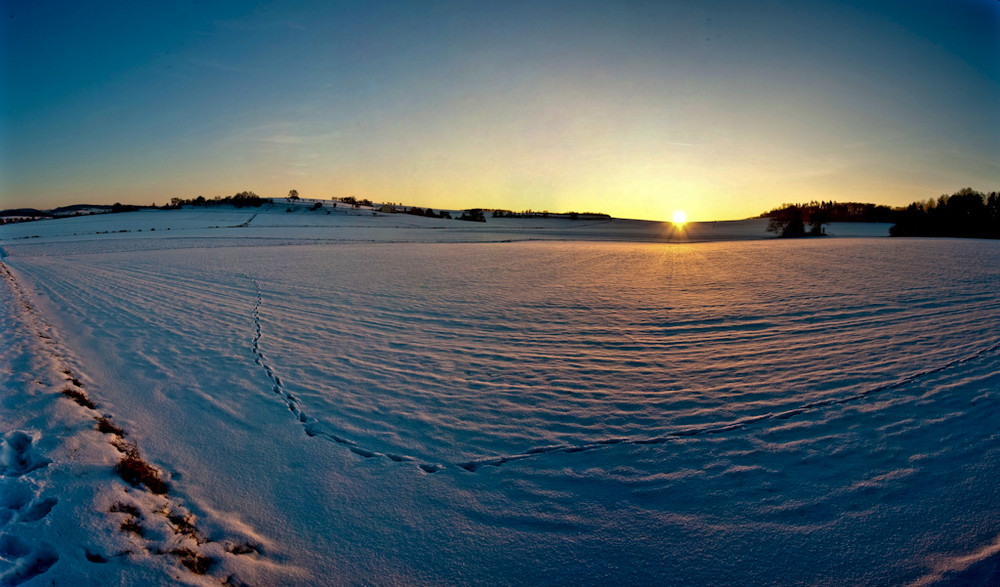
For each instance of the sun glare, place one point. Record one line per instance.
(680, 217)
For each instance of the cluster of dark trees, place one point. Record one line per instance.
(546, 214)
(355, 202)
(429, 213)
(239, 200)
(790, 221)
(473, 215)
(854, 212)
(293, 196)
(524, 214)
(966, 213)
(795, 220)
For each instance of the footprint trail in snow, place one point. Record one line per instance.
(313, 427)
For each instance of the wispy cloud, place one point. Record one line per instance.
(286, 134)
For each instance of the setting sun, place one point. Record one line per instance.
(680, 217)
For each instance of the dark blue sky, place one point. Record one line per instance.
(723, 109)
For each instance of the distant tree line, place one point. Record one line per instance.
(473, 215)
(966, 213)
(18, 219)
(500, 213)
(239, 200)
(479, 214)
(118, 208)
(790, 221)
(31, 214)
(355, 202)
(524, 214)
(796, 220)
(841, 211)
(429, 213)
(23, 215)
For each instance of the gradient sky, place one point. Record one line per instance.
(722, 109)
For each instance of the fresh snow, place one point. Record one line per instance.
(346, 398)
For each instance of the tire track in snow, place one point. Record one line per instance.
(247, 223)
(313, 427)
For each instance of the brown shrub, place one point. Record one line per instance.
(104, 425)
(79, 397)
(135, 471)
(125, 508)
(131, 525)
(184, 525)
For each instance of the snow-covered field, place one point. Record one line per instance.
(342, 399)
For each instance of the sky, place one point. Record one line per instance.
(637, 109)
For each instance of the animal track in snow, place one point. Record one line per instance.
(259, 358)
(312, 427)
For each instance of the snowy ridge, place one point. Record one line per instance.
(155, 524)
(24, 500)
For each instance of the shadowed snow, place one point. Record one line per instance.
(529, 401)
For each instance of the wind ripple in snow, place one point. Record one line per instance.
(311, 426)
(720, 427)
(557, 366)
(807, 398)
